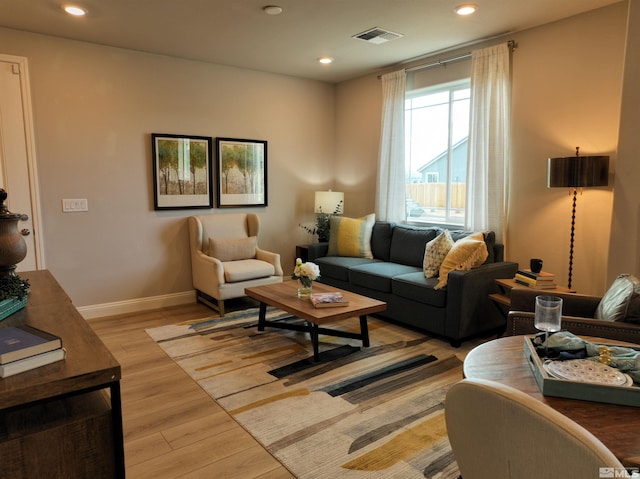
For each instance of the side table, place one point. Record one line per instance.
(503, 300)
(302, 252)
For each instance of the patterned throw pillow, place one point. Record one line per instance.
(435, 252)
(351, 236)
(466, 253)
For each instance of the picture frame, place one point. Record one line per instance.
(182, 171)
(241, 169)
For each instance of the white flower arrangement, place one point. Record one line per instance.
(305, 271)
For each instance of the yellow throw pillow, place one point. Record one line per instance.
(233, 249)
(466, 253)
(351, 236)
(435, 252)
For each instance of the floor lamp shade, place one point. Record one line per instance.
(578, 172)
(329, 202)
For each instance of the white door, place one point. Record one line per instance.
(17, 155)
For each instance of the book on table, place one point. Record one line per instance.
(23, 341)
(541, 275)
(32, 362)
(328, 300)
(535, 283)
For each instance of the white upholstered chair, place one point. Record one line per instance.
(497, 431)
(226, 259)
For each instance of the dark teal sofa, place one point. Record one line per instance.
(459, 311)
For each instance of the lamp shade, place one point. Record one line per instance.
(330, 202)
(578, 171)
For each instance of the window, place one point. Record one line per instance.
(436, 136)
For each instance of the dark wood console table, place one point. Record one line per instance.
(56, 420)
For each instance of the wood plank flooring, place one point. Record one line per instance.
(172, 428)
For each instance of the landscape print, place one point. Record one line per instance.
(182, 171)
(242, 172)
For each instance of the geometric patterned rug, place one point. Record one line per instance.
(368, 413)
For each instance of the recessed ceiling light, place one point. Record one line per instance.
(325, 60)
(272, 10)
(75, 10)
(466, 9)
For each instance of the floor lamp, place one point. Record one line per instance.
(577, 172)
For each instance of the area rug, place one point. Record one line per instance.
(372, 412)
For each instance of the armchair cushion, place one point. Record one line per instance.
(622, 301)
(351, 236)
(246, 269)
(232, 249)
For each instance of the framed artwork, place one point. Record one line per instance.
(182, 171)
(241, 172)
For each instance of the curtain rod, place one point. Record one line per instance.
(511, 43)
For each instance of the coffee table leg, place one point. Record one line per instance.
(364, 331)
(313, 331)
(262, 316)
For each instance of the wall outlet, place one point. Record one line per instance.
(74, 205)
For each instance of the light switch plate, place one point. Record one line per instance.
(75, 205)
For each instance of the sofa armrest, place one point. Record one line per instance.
(469, 309)
(522, 322)
(317, 250)
(580, 305)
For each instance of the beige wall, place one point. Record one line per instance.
(566, 93)
(94, 110)
(625, 226)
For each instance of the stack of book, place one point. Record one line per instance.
(541, 280)
(328, 300)
(24, 347)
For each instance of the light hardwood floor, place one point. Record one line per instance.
(172, 428)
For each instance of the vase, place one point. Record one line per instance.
(306, 286)
(13, 248)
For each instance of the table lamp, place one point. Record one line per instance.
(577, 172)
(329, 202)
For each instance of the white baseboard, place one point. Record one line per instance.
(135, 305)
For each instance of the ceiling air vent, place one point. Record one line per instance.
(377, 35)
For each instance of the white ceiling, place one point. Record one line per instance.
(239, 33)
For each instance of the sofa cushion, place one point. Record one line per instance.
(621, 302)
(418, 288)
(246, 269)
(337, 267)
(381, 239)
(435, 252)
(233, 249)
(378, 276)
(408, 244)
(351, 236)
(466, 253)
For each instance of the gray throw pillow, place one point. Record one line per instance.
(622, 301)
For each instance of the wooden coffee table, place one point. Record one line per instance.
(284, 296)
(503, 360)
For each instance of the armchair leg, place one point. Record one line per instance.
(213, 303)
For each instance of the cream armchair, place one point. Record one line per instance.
(225, 257)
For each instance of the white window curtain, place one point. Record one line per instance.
(489, 141)
(390, 196)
